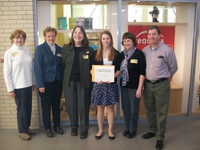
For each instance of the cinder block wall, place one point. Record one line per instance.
(15, 14)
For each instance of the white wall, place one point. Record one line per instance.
(114, 21)
(124, 20)
(44, 18)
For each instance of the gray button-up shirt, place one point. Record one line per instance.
(161, 62)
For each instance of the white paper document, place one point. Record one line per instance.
(104, 73)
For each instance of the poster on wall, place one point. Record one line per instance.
(140, 31)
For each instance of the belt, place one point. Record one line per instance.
(156, 81)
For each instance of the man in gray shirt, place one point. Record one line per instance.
(161, 66)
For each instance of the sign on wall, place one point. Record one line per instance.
(140, 31)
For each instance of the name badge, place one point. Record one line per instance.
(15, 54)
(134, 61)
(59, 55)
(85, 56)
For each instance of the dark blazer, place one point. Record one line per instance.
(136, 67)
(85, 59)
(47, 66)
(116, 62)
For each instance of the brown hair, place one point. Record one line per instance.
(85, 41)
(99, 53)
(129, 35)
(49, 29)
(154, 27)
(16, 34)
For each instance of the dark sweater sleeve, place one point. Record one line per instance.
(93, 58)
(92, 55)
(142, 64)
(117, 61)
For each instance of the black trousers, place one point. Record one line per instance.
(23, 101)
(130, 107)
(50, 100)
(78, 104)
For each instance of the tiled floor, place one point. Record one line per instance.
(182, 134)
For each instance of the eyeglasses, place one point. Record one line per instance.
(19, 38)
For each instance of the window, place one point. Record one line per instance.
(140, 13)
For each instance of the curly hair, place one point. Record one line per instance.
(16, 34)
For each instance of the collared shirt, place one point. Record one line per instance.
(161, 62)
(53, 48)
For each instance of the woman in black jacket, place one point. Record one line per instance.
(132, 72)
(77, 62)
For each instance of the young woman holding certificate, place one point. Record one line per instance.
(132, 72)
(105, 94)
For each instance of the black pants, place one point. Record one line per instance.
(130, 107)
(51, 100)
(23, 101)
(78, 104)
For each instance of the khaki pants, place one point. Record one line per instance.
(156, 101)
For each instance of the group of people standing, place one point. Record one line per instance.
(69, 68)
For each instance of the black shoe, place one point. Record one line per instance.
(49, 133)
(84, 134)
(98, 137)
(159, 144)
(59, 130)
(126, 132)
(148, 135)
(111, 137)
(131, 135)
(74, 132)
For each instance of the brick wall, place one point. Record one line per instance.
(15, 14)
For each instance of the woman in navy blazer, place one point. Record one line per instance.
(48, 74)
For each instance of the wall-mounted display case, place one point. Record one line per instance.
(66, 15)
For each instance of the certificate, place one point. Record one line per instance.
(104, 73)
